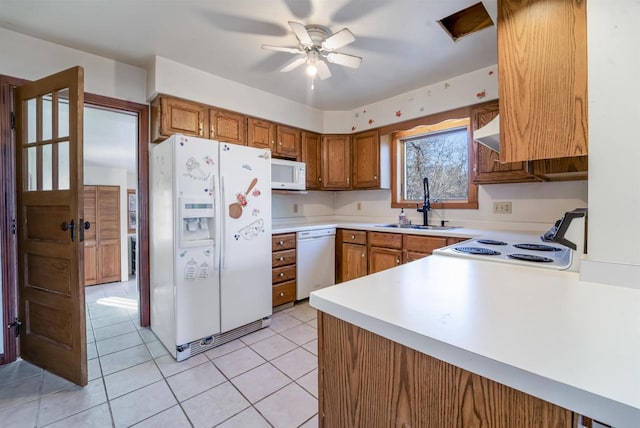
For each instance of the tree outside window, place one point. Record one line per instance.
(440, 156)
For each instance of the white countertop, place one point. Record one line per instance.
(458, 232)
(540, 331)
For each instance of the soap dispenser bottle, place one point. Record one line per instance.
(402, 218)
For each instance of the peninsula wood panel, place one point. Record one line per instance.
(366, 380)
(542, 62)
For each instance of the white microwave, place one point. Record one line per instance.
(288, 175)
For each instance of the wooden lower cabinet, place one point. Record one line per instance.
(415, 247)
(283, 268)
(351, 254)
(365, 380)
(385, 251)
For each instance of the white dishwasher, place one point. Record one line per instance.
(315, 260)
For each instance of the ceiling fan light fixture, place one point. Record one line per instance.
(312, 70)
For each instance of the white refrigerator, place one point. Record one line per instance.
(210, 242)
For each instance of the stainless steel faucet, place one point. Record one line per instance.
(426, 205)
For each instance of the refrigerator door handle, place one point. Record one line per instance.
(217, 220)
(223, 224)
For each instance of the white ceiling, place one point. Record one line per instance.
(403, 46)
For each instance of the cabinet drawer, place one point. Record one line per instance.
(410, 256)
(283, 241)
(284, 273)
(423, 244)
(354, 236)
(282, 258)
(283, 293)
(386, 240)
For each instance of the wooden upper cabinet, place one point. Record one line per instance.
(311, 157)
(227, 126)
(175, 116)
(542, 62)
(336, 162)
(365, 160)
(288, 142)
(487, 168)
(261, 134)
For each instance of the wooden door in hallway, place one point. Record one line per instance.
(50, 226)
(102, 240)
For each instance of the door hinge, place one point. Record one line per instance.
(16, 324)
(12, 120)
(13, 226)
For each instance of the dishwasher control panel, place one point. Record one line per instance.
(316, 233)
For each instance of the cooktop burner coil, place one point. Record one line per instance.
(477, 251)
(490, 242)
(537, 247)
(530, 258)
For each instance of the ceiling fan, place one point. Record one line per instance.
(317, 44)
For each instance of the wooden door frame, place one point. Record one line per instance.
(8, 242)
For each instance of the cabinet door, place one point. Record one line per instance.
(288, 142)
(365, 160)
(261, 134)
(542, 63)
(336, 162)
(182, 117)
(311, 157)
(410, 256)
(488, 168)
(383, 258)
(228, 127)
(354, 261)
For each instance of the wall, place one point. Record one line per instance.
(312, 205)
(172, 78)
(614, 152)
(471, 88)
(30, 58)
(99, 176)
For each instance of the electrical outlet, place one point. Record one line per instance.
(295, 208)
(502, 207)
(359, 206)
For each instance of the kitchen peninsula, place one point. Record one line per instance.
(447, 341)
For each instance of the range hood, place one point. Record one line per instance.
(489, 135)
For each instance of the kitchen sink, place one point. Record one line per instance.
(416, 226)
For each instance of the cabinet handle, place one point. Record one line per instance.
(281, 274)
(200, 129)
(375, 177)
(281, 243)
(397, 260)
(272, 142)
(280, 143)
(281, 258)
(319, 178)
(348, 179)
(353, 236)
(212, 131)
(363, 254)
(282, 294)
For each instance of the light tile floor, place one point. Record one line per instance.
(265, 379)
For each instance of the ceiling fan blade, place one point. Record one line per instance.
(338, 40)
(301, 33)
(351, 61)
(283, 49)
(323, 70)
(297, 62)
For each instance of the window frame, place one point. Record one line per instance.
(432, 123)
